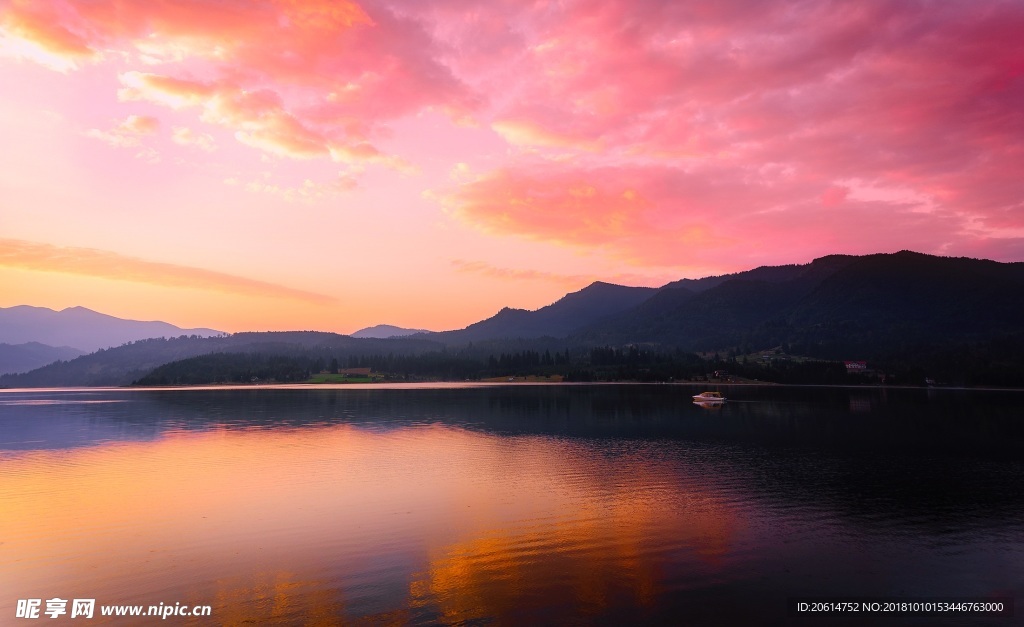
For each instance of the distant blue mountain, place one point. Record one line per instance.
(81, 328)
(32, 355)
(384, 331)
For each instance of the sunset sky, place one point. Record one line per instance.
(291, 164)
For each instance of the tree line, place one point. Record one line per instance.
(997, 363)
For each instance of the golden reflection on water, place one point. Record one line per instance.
(275, 598)
(303, 525)
(598, 555)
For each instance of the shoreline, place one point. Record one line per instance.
(398, 385)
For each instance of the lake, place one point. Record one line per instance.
(510, 505)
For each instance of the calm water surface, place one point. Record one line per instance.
(509, 505)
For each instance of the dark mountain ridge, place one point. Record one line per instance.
(572, 312)
(834, 306)
(820, 267)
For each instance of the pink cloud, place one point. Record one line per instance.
(834, 196)
(660, 216)
(185, 136)
(728, 115)
(140, 124)
(126, 134)
(299, 79)
(41, 23)
(666, 133)
(308, 191)
(260, 118)
(647, 215)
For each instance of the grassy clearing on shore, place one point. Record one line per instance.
(340, 378)
(555, 378)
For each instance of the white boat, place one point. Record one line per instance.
(709, 397)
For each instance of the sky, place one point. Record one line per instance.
(331, 165)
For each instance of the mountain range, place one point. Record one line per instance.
(31, 337)
(569, 314)
(884, 306)
(32, 355)
(81, 328)
(384, 331)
